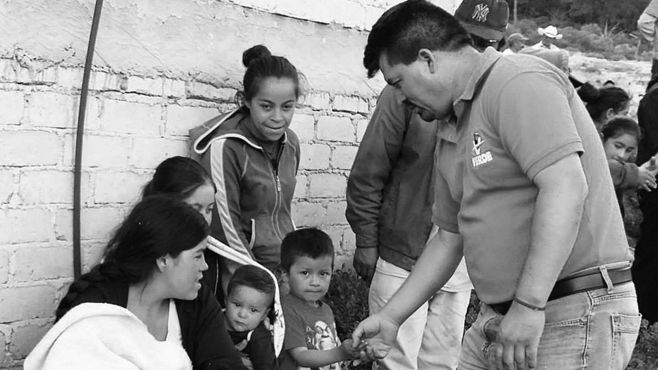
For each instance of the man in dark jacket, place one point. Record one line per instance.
(389, 206)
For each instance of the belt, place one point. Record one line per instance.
(575, 285)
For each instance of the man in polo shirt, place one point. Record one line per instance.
(523, 193)
(389, 206)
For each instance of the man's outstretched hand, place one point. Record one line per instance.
(374, 336)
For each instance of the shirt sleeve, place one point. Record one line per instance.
(261, 349)
(377, 154)
(534, 120)
(295, 330)
(226, 172)
(625, 175)
(445, 210)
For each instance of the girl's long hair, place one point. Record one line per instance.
(156, 226)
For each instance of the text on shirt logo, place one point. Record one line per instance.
(478, 157)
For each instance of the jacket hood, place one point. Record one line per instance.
(223, 126)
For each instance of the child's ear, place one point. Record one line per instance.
(609, 114)
(162, 263)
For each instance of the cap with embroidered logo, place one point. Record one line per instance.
(484, 18)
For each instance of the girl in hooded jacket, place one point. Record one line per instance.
(253, 158)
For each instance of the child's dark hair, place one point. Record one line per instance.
(618, 126)
(310, 242)
(253, 277)
(178, 177)
(261, 64)
(158, 225)
(600, 100)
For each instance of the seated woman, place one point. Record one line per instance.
(143, 307)
(185, 179)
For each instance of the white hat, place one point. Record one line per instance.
(550, 32)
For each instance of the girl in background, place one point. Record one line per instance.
(253, 158)
(620, 140)
(604, 103)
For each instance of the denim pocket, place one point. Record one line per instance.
(625, 329)
(564, 344)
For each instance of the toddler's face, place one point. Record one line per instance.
(621, 147)
(246, 307)
(309, 278)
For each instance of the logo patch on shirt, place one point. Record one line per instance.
(479, 158)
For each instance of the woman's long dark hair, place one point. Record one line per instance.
(157, 226)
(178, 177)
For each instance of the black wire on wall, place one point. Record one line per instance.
(77, 169)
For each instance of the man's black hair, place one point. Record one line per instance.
(408, 27)
(310, 242)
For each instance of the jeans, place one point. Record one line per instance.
(596, 329)
(431, 337)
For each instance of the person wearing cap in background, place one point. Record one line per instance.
(523, 192)
(549, 35)
(515, 42)
(646, 24)
(389, 207)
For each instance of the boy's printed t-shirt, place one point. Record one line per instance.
(307, 326)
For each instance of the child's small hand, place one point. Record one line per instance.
(350, 350)
(646, 179)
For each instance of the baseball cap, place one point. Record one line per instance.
(484, 18)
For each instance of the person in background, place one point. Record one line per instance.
(143, 306)
(604, 103)
(249, 300)
(620, 137)
(311, 341)
(557, 57)
(184, 179)
(646, 24)
(645, 264)
(518, 159)
(515, 42)
(548, 37)
(389, 207)
(253, 157)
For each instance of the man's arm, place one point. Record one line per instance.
(558, 210)
(377, 154)
(435, 266)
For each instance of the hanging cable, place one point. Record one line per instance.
(77, 169)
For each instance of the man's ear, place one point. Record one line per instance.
(426, 56)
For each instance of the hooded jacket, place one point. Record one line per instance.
(254, 191)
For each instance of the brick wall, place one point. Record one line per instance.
(160, 68)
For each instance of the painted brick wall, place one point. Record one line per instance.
(160, 68)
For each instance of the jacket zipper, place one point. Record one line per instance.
(277, 183)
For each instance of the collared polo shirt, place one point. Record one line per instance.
(518, 115)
